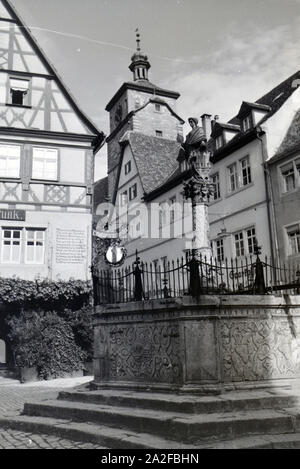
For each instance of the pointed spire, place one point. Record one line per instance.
(139, 61)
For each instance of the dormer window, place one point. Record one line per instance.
(18, 92)
(157, 108)
(247, 123)
(219, 142)
(158, 133)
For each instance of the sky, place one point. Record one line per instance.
(215, 53)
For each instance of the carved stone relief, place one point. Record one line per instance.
(144, 353)
(260, 349)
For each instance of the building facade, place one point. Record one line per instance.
(284, 172)
(47, 148)
(151, 168)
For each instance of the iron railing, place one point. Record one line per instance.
(193, 276)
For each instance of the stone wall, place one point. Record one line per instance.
(218, 342)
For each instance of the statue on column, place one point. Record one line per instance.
(195, 141)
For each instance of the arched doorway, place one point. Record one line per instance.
(2, 352)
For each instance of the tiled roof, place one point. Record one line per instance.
(100, 192)
(292, 137)
(274, 99)
(156, 158)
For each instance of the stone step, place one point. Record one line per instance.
(281, 441)
(109, 437)
(115, 438)
(186, 428)
(229, 402)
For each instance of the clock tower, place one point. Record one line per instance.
(140, 106)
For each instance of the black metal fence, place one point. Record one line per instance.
(193, 276)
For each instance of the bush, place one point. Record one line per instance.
(45, 341)
(25, 337)
(81, 322)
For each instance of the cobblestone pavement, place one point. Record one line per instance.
(13, 439)
(13, 395)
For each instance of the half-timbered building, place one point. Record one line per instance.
(47, 148)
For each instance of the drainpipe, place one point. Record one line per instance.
(270, 199)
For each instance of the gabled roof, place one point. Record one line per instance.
(135, 111)
(141, 85)
(246, 107)
(155, 158)
(274, 99)
(219, 126)
(291, 140)
(162, 102)
(52, 72)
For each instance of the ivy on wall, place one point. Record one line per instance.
(44, 294)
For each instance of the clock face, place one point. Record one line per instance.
(118, 114)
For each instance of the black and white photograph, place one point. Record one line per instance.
(149, 227)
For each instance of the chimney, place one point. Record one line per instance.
(215, 119)
(206, 124)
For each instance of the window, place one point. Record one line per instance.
(220, 250)
(233, 177)
(245, 242)
(239, 174)
(35, 246)
(293, 233)
(14, 243)
(290, 174)
(133, 192)
(10, 161)
(157, 108)
(219, 142)
(11, 241)
(251, 240)
(123, 198)
(245, 171)
(247, 123)
(216, 181)
(239, 244)
(158, 133)
(44, 163)
(128, 167)
(19, 92)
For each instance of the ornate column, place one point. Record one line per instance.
(199, 189)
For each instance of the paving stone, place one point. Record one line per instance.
(13, 395)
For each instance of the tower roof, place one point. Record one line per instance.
(139, 62)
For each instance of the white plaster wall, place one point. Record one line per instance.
(246, 196)
(244, 208)
(72, 165)
(51, 269)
